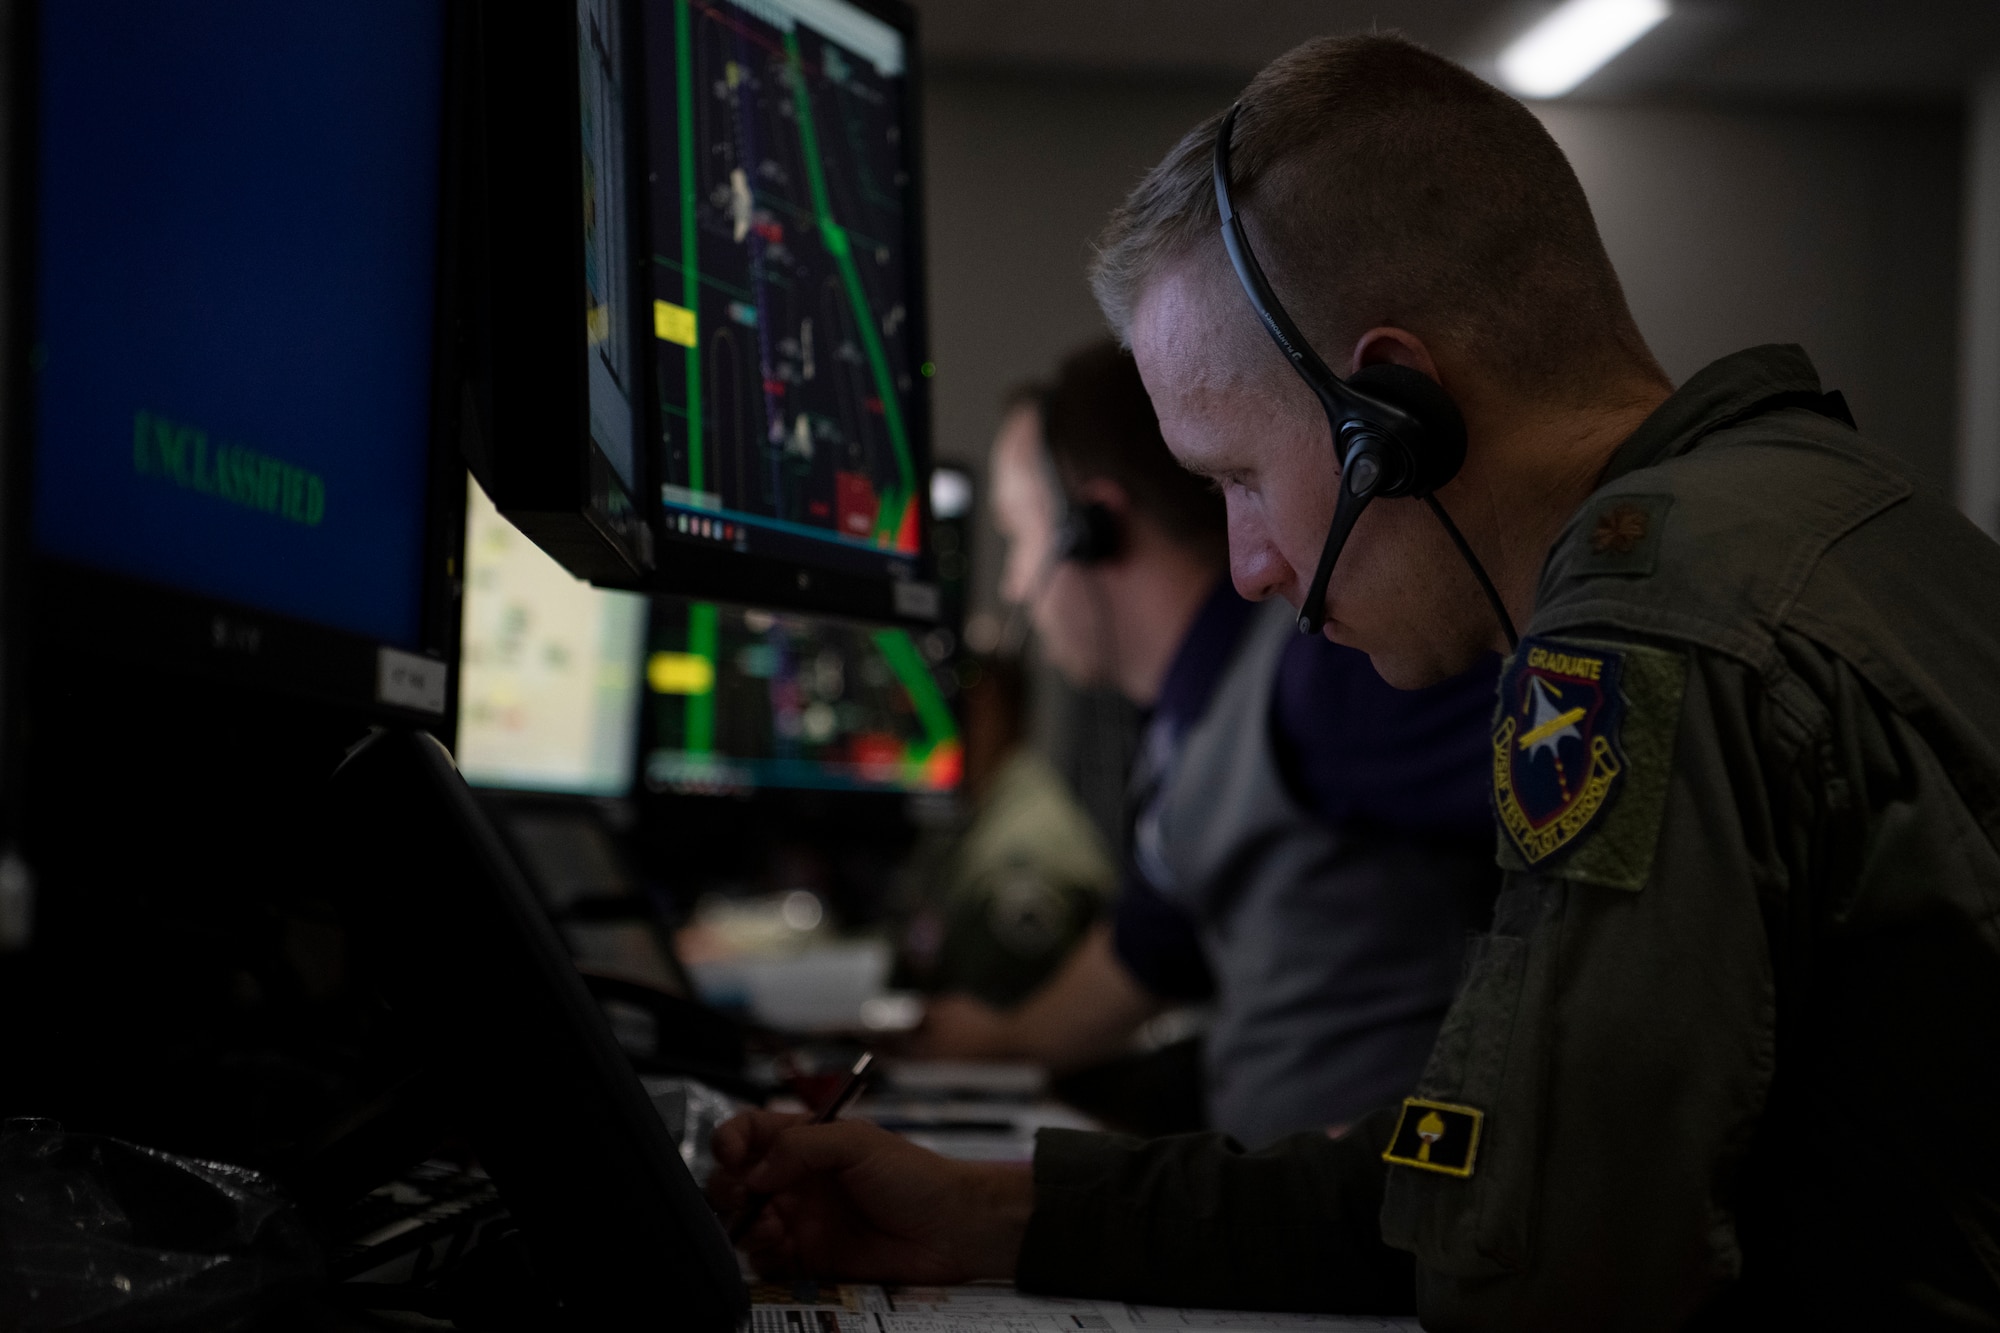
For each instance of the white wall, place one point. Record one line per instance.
(1838, 229)
(1979, 312)
(1021, 173)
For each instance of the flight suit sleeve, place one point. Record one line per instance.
(1194, 1220)
(1612, 1045)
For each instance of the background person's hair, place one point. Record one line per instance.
(1099, 423)
(1385, 185)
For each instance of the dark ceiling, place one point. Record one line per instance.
(1922, 50)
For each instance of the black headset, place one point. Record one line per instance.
(1091, 534)
(1088, 532)
(1395, 430)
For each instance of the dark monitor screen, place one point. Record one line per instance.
(237, 274)
(785, 284)
(472, 969)
(740, 700)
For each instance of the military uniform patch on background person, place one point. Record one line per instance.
(1557, 761)
(1029, 915)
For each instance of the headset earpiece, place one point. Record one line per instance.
(1093, 534)
(1433, 454)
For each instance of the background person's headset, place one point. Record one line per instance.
(1091, 534)
(1088, 532)
(1396, 431)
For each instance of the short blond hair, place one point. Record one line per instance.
(1385, 185)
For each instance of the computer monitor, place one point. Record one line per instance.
(549, 677)
(717, 386)
(787, 301)
(742, 700)
(230, 311)
(556, 342)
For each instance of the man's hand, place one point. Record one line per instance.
(855, 1203)
(958, 1027)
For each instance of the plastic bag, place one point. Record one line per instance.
(692, 1110)
(100, 1235)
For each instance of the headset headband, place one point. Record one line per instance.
(1383, 448)
(1346, 407)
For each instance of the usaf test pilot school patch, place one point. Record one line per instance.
(1557, 758)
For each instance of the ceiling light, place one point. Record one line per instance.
(1574, 42)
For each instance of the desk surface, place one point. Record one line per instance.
(971, 1131)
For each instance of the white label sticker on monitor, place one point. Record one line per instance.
(409, 681)
(916, 599)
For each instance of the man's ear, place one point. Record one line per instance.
(1390, 345)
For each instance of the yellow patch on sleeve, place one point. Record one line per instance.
(1436, 1136)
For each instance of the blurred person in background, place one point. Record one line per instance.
(1307, 847)
(1004, 901)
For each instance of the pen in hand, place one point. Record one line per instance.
(754, 1204)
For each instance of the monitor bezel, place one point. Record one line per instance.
(57, 608)
(527, 353)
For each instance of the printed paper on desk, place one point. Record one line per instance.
(995, 1307)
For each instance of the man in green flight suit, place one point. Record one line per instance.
(1730, 1057)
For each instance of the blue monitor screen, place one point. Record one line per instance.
(237, 234)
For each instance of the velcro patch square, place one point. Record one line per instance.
(1436, 1136)
(1622, 535)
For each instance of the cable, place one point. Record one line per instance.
(1478, 572)
(1020, 615)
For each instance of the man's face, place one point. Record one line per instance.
(1056, 594)
(1233, 411)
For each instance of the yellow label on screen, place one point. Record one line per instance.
(680, 673)
(673, 323)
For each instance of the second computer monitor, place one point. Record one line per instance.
(739, 700)
(561, 681)
(785, 280)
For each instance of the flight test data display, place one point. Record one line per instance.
(782, 274)
(741, 699)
